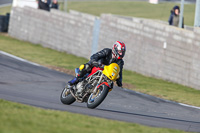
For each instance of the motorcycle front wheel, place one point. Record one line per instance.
(66, 97)
(95, 100)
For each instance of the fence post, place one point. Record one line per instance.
(197, 14)
(96, 30)
(181, 14)
(65, 5)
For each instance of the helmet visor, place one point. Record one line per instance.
(120, 52)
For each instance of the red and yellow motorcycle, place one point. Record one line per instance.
(94, 88)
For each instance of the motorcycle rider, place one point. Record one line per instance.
(105, 57)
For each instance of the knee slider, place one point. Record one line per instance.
(81, 67)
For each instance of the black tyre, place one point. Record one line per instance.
(95, 100)
(66, 97)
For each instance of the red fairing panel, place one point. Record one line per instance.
(94, 69)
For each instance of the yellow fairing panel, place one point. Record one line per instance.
(112, 71)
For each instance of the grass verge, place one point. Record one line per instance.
(159, 11)
(131, 80)
(18, 118)
(4, 10)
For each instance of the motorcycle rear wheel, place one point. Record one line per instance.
(95, 100)
(66, 97)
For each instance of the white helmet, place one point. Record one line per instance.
(118, 50)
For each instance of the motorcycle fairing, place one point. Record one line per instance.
(94, 69)
(112, 71)
(105, 83)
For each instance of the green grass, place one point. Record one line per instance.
(4, 10)
(37, 53)
(162, 89)
(18, 118)
(135, 81)
(135, 9)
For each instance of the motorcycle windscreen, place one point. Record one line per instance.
(112, 71)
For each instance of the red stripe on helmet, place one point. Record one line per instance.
(122, 44)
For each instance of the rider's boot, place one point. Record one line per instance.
(81, 73)
(73, 81)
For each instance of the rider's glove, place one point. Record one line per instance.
(119, 83)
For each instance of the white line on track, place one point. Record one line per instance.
(146, 95)
(18, 58)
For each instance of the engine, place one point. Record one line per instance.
(80, 87)
(84, 87)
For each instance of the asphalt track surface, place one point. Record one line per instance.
(31, 84)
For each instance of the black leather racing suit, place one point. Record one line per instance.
(105, 57)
